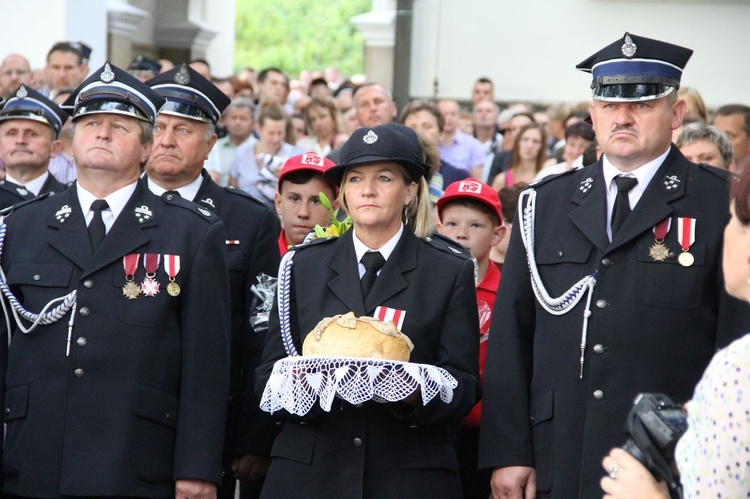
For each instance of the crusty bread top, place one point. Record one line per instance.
(350, 336)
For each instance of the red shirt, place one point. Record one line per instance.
(486, 293)
(283, 245)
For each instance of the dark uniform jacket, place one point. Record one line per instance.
(252, 230)
(654, 324)
(379, 450)
(140, 400)
(11, 193)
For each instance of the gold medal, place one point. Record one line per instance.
(173, 289)
(658, 252)
(686, 259)
(131, 290)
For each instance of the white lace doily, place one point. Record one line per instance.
(296, 383)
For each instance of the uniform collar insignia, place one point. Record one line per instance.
(671, 183)
(208, 201)
(585, 186)
(628, 48)
(107, 75)
(143, 213)
(22, 191)
(63, 213)
(182, 77)
(370, 138)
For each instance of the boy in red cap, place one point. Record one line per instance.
(470, 213)
(298, 198)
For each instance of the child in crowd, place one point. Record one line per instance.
(298, 198)
(470, 213)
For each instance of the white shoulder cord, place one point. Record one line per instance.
(44, 317)
(283, 292)
(568, 300)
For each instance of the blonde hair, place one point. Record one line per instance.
(417, 214)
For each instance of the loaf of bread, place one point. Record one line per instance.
(362, 337)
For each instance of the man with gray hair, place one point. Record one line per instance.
(734, 120)
(183, 136)
(239, 121)
(373, 106)
(14, 71)
(707, 144)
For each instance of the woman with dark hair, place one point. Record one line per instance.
(712, 456)
(527, 158)
(401, 448)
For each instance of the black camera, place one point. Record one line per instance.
(654, 426)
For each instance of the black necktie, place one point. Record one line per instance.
(373, 262)
(97, 231)
(621, 209)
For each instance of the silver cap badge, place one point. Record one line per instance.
(370, 138)
(182, 77)
(107, 75)
(22, 93)
(628, 48)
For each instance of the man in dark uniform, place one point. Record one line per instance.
(631, 245)
(29, 126)
(183, 136)
(121, 389)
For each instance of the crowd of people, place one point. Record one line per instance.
(555, 261)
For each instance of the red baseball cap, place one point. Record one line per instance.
(308, 161)
(471, 189)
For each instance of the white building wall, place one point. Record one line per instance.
(530, 47)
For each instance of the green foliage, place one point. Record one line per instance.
(299, 34)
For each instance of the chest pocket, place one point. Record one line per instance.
(145, 311)
(562, 264)
(39, 282)
(668, 284)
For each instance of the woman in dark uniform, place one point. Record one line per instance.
(397, 449)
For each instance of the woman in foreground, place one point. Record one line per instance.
(399, 449)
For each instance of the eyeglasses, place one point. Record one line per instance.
(11, 72)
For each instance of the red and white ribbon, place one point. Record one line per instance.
(385, 314)
(172, 266)
(686, 232)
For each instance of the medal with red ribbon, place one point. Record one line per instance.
(659, 251)
(686, 236)
(130, 263)
(172, 266)
(149, 286)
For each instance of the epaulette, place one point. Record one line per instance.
(313, 242)
(10, 209)
(244, 194)
(725, 175)
(447, 245)
(552, 177)
(190, 206)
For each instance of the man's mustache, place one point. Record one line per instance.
(620, 128)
